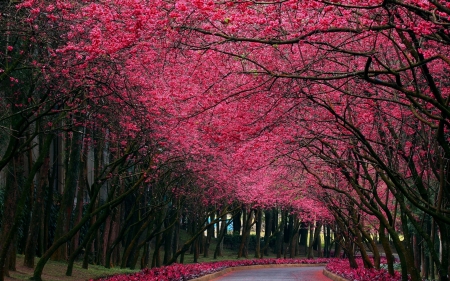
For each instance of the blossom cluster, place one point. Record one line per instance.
(181, 272)
(342, 268)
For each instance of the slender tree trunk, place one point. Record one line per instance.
(243, 248)
(258, 232)
(168, 242)
(387, 249)
(294, 240)
(197, 248)
(311, 241)
(156, 261)
(145, 256)
(407, 247)
(366, 260)
(12, 255)
(223, 230)
(267, 231)
(303, 237)
(372, 243)
(82, 184)
(176, 234)
(37, 211)
(416, 248)
(279, 235)
(237, 223)
(327, 247)
(70, 185)
(209, 236)
(106, 237)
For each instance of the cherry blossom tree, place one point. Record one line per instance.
(305, 106)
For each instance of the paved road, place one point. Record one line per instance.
(274, 274)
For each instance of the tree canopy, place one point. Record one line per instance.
(337, 111)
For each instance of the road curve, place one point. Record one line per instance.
(312, 273)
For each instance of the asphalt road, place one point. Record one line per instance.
(274, 274)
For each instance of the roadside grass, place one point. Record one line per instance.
(56, 271)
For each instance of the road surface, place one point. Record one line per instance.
(275, 274)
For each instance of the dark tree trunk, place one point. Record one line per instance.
(223, 230)
(82, 184)
(237, 223)
(209, 236)
(114, 238)
(387, 249)
(37, 214)
(243, 248)
(327, 241)
(258, 218)
(416, 248)
(267, 231)
(311, 241)
(156, 261)
(303, 232)
(196, 248)
(12, 256)
(11, 195)
(294, 239)
(168, 243)
(70, 185)
(145, 256)
(280, 235)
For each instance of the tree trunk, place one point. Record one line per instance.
(7, 233)
(209, 236)
(196, 247)
(258, 217)
(168, 242)
(327, 241)
(223, 230)
(243, 248)
(267, 230)
(237, 223)
(279, 235)
(387, 249)
(294, 239)
(82, 186)
(156, 261)
(70, 185)
(303, 233)
(37, 213)
(311, 241)
(176, 234)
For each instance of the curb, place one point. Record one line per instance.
(333, 276)
(237, 268)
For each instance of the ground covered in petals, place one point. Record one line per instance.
(178, 272)
(342, 268)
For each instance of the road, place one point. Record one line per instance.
(275, 274)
